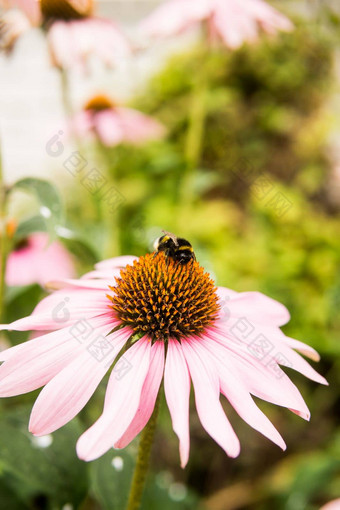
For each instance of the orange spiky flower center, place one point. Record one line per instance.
(66, 9)
(98, 103)
(164, 299)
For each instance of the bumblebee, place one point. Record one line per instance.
(176, 248)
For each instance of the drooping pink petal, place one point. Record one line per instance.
(148, 396)
(207, 390)
(99, 38)
(305, 349)
(73, 43)
(103, 275)
(237, 393)
(61, 45)
(121, 403)
(116, 262)
(108, 127)
(137, 127)
(63, 309)
(177, 393)
(30, 365)
(233, 24)
(38, 262)
(172, 17)
(81, 123)
(69, 300)
(68, 392)
(80, 284)
(269, 19)
(262, 380)
(257, 307)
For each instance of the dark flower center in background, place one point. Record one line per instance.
(66, 9)
(98, 103)
(164, 299)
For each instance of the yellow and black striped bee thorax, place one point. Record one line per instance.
(177, 248)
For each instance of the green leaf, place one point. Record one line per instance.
(28, 227)
(49, 200)
(31, 469)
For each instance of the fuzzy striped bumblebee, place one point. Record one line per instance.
(176, 248)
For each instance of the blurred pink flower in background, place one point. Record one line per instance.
(37, 261)
(73, 42)
(232, 21)
(190, 338)
(115, 124)
(74, 35)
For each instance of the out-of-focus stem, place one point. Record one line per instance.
(113, 216)
(195, 135)
(3, 241)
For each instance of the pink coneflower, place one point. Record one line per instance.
(73, 42)
(115, 124)
(232, 21)
(74, 35)
(155, 318)
(34, 260)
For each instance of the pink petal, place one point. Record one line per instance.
(207, 390)
(238, 395)
(104, 275)
(108, 127)
(174, 16)
(148, 396)
(121, 404)
(80, 284)
(256, 333)
(62, 45)
(261, 379)
(233, 24)
(62, 309)
(257, 307)
(305, 349)
(68, 392)
(82, 123)
(137, 127)
(177, 392)
(32, 364)
(116, 262)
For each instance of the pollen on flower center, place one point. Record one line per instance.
(66, 9)
(164, 299)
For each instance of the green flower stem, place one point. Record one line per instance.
(65, 93)
(143, 460)
(3, 241)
